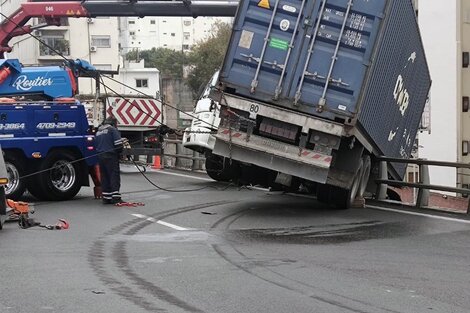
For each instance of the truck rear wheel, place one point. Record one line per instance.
(340, 198)
(60, 177)
(16, 185)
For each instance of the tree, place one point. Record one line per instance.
(167, 61)
(207, 56)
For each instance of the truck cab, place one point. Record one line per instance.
(206, 119)
(200, 137)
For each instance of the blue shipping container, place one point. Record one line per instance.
(357, 62)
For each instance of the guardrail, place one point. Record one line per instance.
(424, 186)
(175, 155)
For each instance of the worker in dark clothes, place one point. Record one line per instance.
(109, 145)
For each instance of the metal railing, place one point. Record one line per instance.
(424, 186)
(175, 155)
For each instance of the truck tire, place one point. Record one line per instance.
(339, 198)
(15, 169)
(344, 198)
(218, 169)
(59, 179)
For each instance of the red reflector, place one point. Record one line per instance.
(90, 148)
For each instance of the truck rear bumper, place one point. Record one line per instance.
(275, 155)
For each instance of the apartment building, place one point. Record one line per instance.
(176, 33)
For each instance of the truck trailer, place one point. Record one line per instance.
(315, 91)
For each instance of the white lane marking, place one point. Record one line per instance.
(151, 219)
(171, 225)
(450, 219)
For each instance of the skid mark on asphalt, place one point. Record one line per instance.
(108, 258)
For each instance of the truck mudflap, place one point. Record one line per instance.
(281, 157)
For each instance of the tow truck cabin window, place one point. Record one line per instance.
(101, 41)
(139, 83)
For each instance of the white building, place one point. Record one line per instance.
(141, 80)
(445, 30)
(176, 33)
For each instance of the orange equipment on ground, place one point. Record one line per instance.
(21, 210)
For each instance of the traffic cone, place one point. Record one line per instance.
(157, 163)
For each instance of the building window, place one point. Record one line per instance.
(132, 33)
(185, 47)
(141, 83)
(57, 43)
(186, 35)
(152, 22)
(172, 34)
(101, 41)
(164, 21)
(187, 23)
(164, 33)
(131, 22)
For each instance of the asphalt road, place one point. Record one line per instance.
(218, 248)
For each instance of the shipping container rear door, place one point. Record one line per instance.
(264, 47)
(289, 49)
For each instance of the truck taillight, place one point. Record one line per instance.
(89, 141)
(151, 139)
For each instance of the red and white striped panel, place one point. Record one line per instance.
(135, 111)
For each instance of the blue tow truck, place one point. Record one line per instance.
(44, 132)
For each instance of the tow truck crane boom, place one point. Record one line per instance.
(53, 11)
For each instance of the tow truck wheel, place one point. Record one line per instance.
(15, 169)
(60, 179)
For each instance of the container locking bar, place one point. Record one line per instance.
(310, 53)
(254, 83)
(278, 90)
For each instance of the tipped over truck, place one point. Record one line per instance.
(314, 91)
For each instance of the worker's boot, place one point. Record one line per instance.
(116, 200)
(107, 201)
